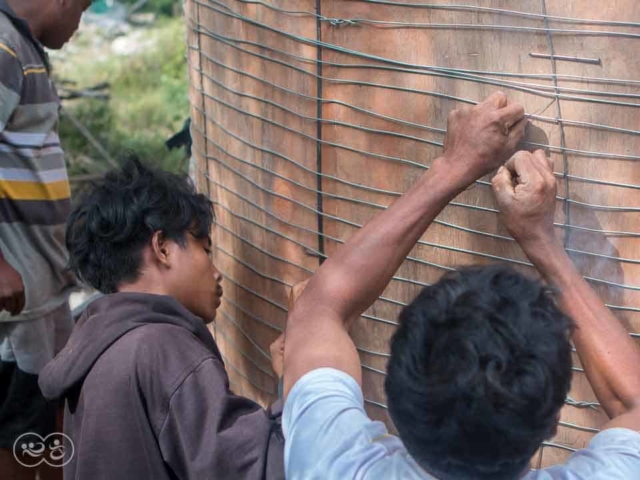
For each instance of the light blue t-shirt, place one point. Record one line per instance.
(329, 437)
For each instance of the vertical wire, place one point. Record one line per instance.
(203, 103)
(319, 113)
(205, 137)
(563, 143)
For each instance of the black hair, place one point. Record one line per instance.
(480, 367)
(108, 230)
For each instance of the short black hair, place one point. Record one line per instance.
(108, 230)
(480, 367)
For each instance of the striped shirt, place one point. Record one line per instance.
(34, 187)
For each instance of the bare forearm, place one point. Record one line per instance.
(608, 354)
(358, 272)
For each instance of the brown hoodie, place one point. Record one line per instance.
(147, 397)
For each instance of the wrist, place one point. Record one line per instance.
(539, 243)
(454, 171)
(545, 252)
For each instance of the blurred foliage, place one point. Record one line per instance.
(149, 101)
(160, 7)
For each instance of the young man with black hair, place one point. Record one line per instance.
(146, 389)
(35, 320)
(481, 362)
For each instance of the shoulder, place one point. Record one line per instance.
(162, 352)
(613, 453)
(326, 389)
(161, 357)
(329, 435)
(167, 340)
(11, 40)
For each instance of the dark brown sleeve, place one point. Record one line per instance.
(211, 433)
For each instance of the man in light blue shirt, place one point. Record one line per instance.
(481, 362)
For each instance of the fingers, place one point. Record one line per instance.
(296, 291)
(298, 288)
(545, 167)
(278, 344)
(545, 163)
(512, 114)
(525, 167)
(496, 99)
(502, 184)
(517, 132)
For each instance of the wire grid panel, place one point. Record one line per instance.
(310, 116)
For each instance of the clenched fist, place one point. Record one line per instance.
(526, 192)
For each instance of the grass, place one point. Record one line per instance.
(149, 98)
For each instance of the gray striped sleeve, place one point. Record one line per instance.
(10, 82)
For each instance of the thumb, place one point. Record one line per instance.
(502, 184)
(497, 100)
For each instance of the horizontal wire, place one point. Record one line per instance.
(439, 144)
(237, 371)
(308, 41)
(420, 242)
(302, 245)
(433, 70)
(284, 309)
(235, 346)
(578, 404)
(328, 194)
(399, 160)
(464, 8)
(547, 91)
(263, 251)
(570, 401)
(581, 404)
(576, 78)
(575, 426)
(309, 230)
(413, 259)
(252, 316)
(307, 270)
(232, 13)
(433, 129)
(560, 446)
(229, 42)
(246, 334)
(500, 11)
(439, 130)
(394, 134)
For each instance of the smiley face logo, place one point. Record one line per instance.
(31, 450)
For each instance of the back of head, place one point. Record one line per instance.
(108, 230)
(480, 367)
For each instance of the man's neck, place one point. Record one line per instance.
(146, 283)
(30, 12)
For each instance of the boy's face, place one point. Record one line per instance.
(194, 280)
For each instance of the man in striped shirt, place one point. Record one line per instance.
(35, 320)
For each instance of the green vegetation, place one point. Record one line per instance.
(160, 7)
(149, 96)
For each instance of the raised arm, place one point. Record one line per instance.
(526, 190)
(479, 139)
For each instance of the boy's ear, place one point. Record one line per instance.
(160, 248)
